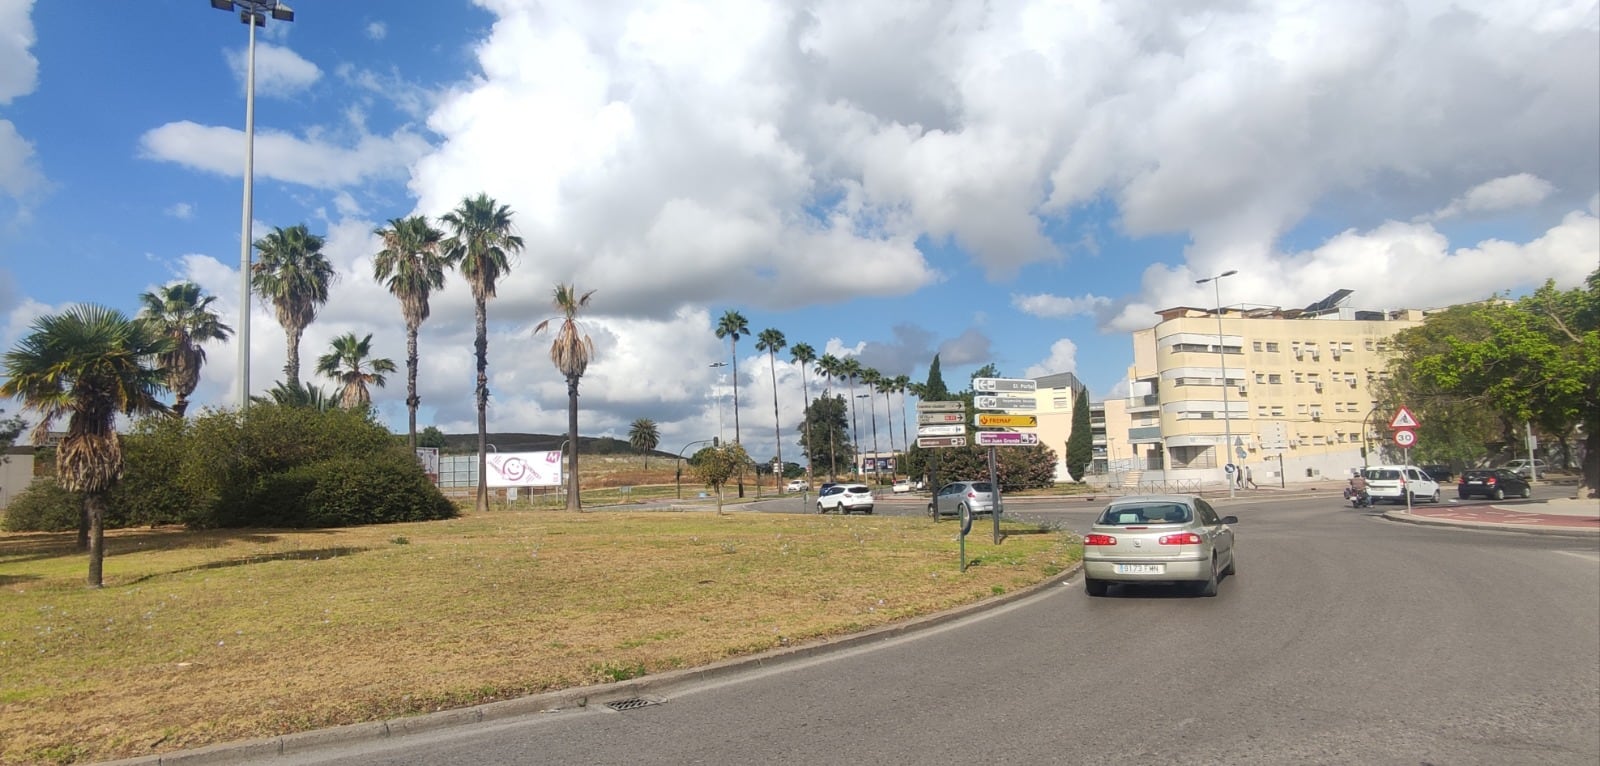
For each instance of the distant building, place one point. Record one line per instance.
(1054, 399)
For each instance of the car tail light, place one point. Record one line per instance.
(1099, 540)
(1462, 480)
(1186, 538)
(1491, 481)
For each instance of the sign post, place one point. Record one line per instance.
(1404, 425)
(941, 424)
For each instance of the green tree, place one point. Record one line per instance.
(432, 437)
(850, 370)
(715, 465)
(481, 246)
(902, 384)
(986, 371)
(183, 313)
(10, 429)
(1080, 444)
(304, 395)
(571, 353)
(90, 364)
(411, 264)
(1454, 429)
(830, 367)
(292, 275)
(871, 378)
(828, 441)
(805, 355)
(733, 326)
(772, 341)
(351, 364)
(644, 436)
(934, 390)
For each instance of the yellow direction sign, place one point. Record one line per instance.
(997, 420)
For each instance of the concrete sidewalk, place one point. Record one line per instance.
(1571, 517)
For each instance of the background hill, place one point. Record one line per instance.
(467, 444)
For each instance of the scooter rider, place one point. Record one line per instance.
(1357, 491)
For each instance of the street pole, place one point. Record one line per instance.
(1227, 429)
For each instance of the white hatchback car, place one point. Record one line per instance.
(1394, 482)
(845, 498)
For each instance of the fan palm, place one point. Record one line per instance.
(183, 313)
(805, 355)
(886, 387)
(872, 378)
(772, 341)
(850, 370)
(302, 395)
(89, 363)
(571, 353)
(412, 264)
(732, 326)
(644, 436)
(293, 276)
(349, 363)
(481, 245)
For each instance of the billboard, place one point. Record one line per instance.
(524, 469)
(429, 458)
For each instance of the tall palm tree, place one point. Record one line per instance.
(873, 378)
(644, 436)
(349, 363)
(830, 367)
(772, 341)
(805, 355)
(886, 387)
(89, 363)
(732, 326)
(570, 352)
(183, 313)
(412, 264)
(902, 383)
(292, 275)
(850, 370)
(480, 246)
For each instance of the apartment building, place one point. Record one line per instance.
(1054, 399)
(1287, 392)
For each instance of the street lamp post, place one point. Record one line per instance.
(720, 433)
(252, 13)
(1222, 356)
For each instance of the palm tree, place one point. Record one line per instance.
(772, 341)
(303, 395)
(886, 387)
(293, 276)
(349, 364)
(732, 326)
(805, 355)
(89, 363)
(829, 367)
(902, 384)
(644, 436)
(850, 370)
(413, 263)
(571, 353)
(481, 246)
(872, 378)
(181, 312)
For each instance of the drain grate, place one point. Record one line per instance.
(632, 703)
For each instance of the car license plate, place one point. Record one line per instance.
(1140, 568)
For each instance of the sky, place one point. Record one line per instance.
(1016, 183)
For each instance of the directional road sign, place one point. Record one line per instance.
(1003, 402)
(996, 420)
(957, 406)
(998, 385)
(926, 442)
(1403, 419)
(938, 418)
(954, 429)
(1007, 438)
(1405, 437)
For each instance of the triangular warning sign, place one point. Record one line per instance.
(1403, 419)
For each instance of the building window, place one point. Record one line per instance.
(1277, 410)
(1368, 344)
(1274, 378)
(1261, 410)
(1302, 409)
(1255, 345)
(1261, 377)
(1299, 377)
(1272, 348)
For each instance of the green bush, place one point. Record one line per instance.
(44, 507)
(151, 491)
(346, 491)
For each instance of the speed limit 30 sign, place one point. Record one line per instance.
(1405, 437)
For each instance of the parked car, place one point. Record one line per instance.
(797, 485)
(845, 498)
(903, 485)
(975, 496)
(1395, 482)
(1524, 467)
(1494, 483)
(1158, 539)
(1439, 472)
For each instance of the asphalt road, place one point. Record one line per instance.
(1344, 639)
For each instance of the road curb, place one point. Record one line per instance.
(658, 685)
(1492, 526)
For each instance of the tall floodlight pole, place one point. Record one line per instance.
(252, 13)
(1227, 429)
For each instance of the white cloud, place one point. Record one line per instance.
(1504, 193)
(311, 161)
(182, 211)
(1050, 306)
(1063, 358)
(19, 70)
(377, 30)
(19, 173)
(280, 72)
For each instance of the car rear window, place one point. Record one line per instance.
(1476, 474)
(982, 486)
(1382, 474)
(1152, 513)
(857, 488)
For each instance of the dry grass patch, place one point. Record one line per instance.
(203, 637)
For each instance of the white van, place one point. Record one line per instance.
(1393, 482)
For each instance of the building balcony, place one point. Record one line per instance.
(1144, 434)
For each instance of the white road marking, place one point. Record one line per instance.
(1586, 556)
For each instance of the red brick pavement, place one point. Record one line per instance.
(1488, 514)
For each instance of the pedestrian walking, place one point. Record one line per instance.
(1249, 478)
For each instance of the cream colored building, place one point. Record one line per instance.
(1054, 398)
(1287, 394)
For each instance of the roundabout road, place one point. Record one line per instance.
(1345, 639)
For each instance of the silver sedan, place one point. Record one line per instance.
(1158, 539)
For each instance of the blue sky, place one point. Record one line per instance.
(1019, 183)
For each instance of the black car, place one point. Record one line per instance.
(1439, 472)
(1496, 483)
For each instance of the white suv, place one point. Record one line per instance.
(845, 498)
(1393, 482)
(796, 485)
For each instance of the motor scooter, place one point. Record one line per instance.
(1358, 497)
